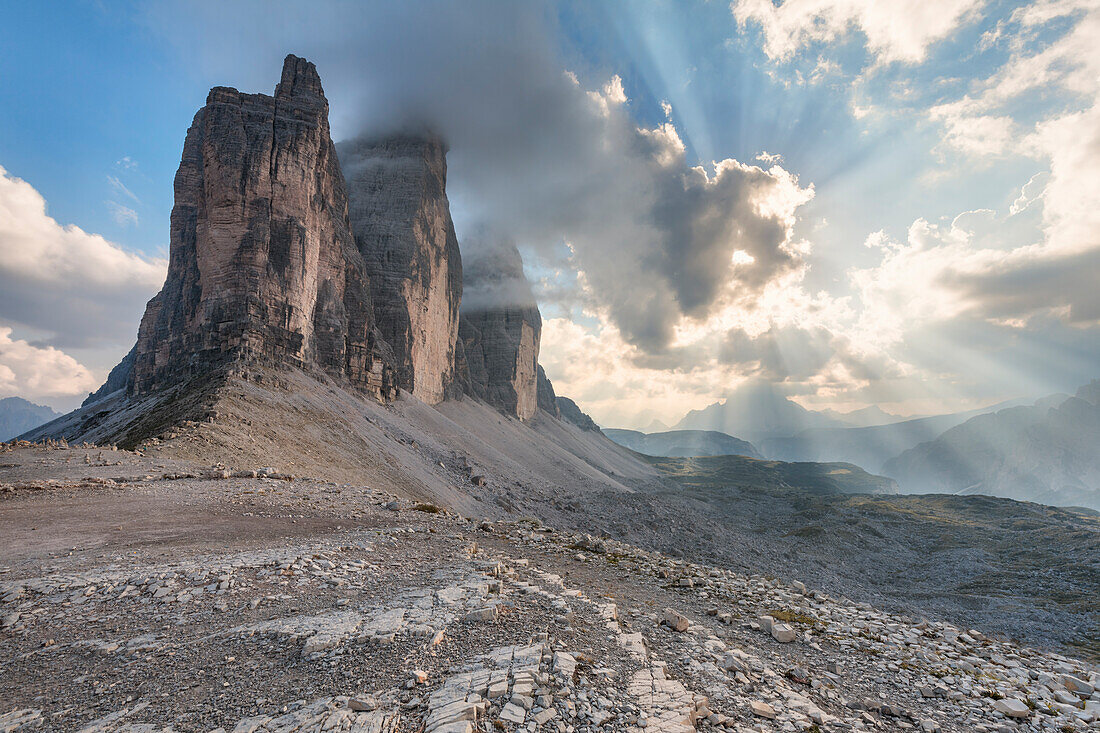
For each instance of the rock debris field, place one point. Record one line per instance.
(139, 594)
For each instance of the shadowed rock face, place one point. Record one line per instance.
(547, 398)
(500, 330)
(402, 225)
(116, 380)
(262, 262)
(569, 410)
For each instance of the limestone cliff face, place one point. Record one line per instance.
(262, 258)
(500, 330)
(402, 224)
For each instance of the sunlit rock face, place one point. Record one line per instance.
(500, 330)
(402, 224)
(262, 259)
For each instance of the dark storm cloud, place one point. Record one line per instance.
(541, 157)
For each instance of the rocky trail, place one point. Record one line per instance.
(143, 594)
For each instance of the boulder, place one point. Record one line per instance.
(783, 633)
(1012, 708)
(1077, 686)
(675, 620)
(762, 709)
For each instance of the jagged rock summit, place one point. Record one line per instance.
(402, 224)
(262, 261)
(284, 258)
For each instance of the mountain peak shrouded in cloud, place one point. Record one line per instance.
(864, 418)
(401, 220)
(492, 270)
(755, 410)
(500, 329)
(893, 32)
(633, 229)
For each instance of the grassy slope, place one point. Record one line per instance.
(815, 478)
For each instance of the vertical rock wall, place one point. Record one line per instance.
(262, 259)
(402, 224)
(500, 330)
(274, 257)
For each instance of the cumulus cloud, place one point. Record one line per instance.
(34, 372)
(584, 360)
(962, 305)
(976, 135)
(1030, 192)
(989, 299)
(1047, 278)
(79, 288)
(893, 31)
(1071, 209)
(989, 121)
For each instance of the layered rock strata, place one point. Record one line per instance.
(500, 330)
(262, 260)
(275, 257)
(402, 224)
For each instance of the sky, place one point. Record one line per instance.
(859, 202)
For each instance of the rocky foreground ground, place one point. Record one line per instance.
(142, 594)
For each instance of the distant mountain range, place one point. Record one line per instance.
(683, 443)
(762, 414)
(868, 416)
(655, 427)
(869, 447)
(754, 412)
(17, 416)
(1048, 452)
